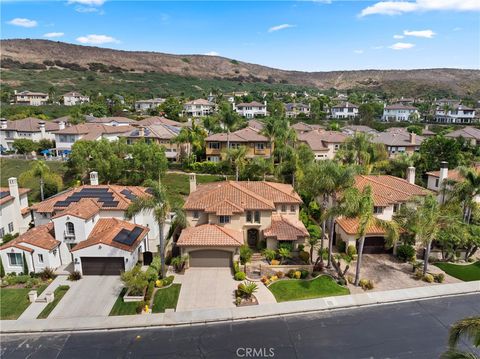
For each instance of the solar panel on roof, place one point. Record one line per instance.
(129, 194)
(110, 204)
(4, 194)
(128, 237)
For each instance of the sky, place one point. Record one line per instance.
(320, 35)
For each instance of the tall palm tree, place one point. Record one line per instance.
(466, 191)
(195, 136)
(238, 157)
(40, 170)
(263, 165)
(361, 205)
(157, 204)
(356, 150)
(469, 328)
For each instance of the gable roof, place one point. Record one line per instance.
(345, 105)
(350, 226)
(397, 138)
(467, 132)
(246, 134)
(200, 101)
(5, 195)
(453, 175)
(110, 119)
(285, 229)
(210, 235)
(93, 131)
(251, 104)
(158, 120)
(225, 198)
(41, 236)
(400, 106)
(159, 131)
(318, 140)
(30, 124)
(85, 208)
(105, 231)
(255, 124)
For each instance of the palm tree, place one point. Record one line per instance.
(466, 191)
(263, 166)
(361, 205)
(313, 242)
(40, 170)
(157, 204)
(469, 328)
(195, 136)
(356, 150)
(238, 157)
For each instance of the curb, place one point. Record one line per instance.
(229, 315)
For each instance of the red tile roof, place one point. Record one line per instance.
(9, 197)
(246, 135)
(210, 235)
(350, 226)
(285, 229)
(85, 208)
(41, 236)
(453, 175)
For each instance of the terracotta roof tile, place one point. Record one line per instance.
(30, 124)
(8, 197)
(247, 134)
(318, 140)
(85, 208)
(453, 175)
(210, 235)
(350, 226)
(285, 229)
(41, 236)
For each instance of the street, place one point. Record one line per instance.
(407, 330)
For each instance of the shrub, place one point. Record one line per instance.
(245, 254)
(141, 306)
(135, 280)
(341, 246)
(273, 278)
(341, 282)
(350, 279)
(16, 279)
(319, 266)
(151, 274)
(297, 274)
(156, 264)
(149, 293)
(47, 273)
(159, 283)
(280, 274)
(269, 254)
(286, 245)
(240, 276)
(284, 253)
(179, 263)
(32, 282)
(366, 284)
(406, 252)
(74, 276)
(418, 274)
(351, 251)
(304, 256)
(301, 247)
(2, 270)
(428, 278)
(248, 288)
(168, 280)
(274, 262)
(439, 278)
(304, 273)
(291, 273)
(236, 267)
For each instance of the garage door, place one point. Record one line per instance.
(102, 265)
(210, 258)
(374, 245)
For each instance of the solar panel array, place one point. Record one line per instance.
(4, 194)
(100, 194)
(129, 194)
(128, 237)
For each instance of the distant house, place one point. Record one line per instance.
(344, 110)
(353, 129)
(74, 98)
(158, 120)
(111, 121)
(29, 128)
(399, 113)
(257, 145)
(14, 209)
(292, 110)
(469, 133)
(198, 108)
(404, 101)
(302, 127)
(145, 105)
(255, 124)
(456, 114)
(324, 144)
(30, 98)
(399, 141)
(251, 109)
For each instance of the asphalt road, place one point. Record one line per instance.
(407, 330)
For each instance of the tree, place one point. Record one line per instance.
(2, 270)
(467, 190)
(195, 137)
(468, 328)
(276, 108)
(39, 171)
(284, 253)
(436, 149)
(135, 280)
(157, 204)
(245, 256)
(172, 108)
(237, 156)
(145, 161)
(24, 146)
(314, 239)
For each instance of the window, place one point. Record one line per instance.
(437, 181)
(249, 217)
(40, 258)
(260, 146)
(396, 207)
(377, 210)
(224, 219)
(15, 259)
(214, 145)
(284, 208)
(292, 208)
(70, 228)
(2, 232)
(10, 227)
(257, 216)
(196, 215)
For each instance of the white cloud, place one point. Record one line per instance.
(398, 36)
(23, 22)
(420, 33)
(212, 53)
(53, 34)
(97, 39)
(358, 51)
(86, 9)
(377, 47)
(87, 2)
(401, 7)
(401, 46)
(280, 27)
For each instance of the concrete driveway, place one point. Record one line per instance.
(206, 288)
(91, 296)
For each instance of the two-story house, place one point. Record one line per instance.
(30, 98)
(223, 216)
(470, 134)
(198, 108)
(151, 104)
(14, 212)
(456, 114)
(29, 128)
(400, 113)
(251, 109)
(257, 145)
(75, 98)
(84, 228)
(324, 144)
(399, 141)
(345, 110)
(292, 110)
(389, 194)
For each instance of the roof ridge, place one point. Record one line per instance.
(272, 186)
(390, 187)
(251, 193)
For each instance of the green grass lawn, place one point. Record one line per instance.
(14, 167)
(14, 301)
(166, 298)
(466, 272)
(58, 295)
(295, 289)
(122, 308)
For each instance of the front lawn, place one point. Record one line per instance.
(122, 308)
(297, 289)
(166, 298)
(466, 272)
(14, 301)
(58, 295)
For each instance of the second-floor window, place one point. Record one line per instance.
(196, 215)
(257, 216)
(70, 228)
(292, 208)
(224, 219)
(284, 208)
(214, 145)
(377, 210)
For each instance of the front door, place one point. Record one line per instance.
(252, 237)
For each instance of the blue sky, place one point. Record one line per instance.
(317, 35)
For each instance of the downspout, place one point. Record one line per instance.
(33, 263)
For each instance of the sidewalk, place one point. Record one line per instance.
(233, 314)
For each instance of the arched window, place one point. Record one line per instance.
(70, 228)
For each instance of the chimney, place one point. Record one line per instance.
(3, 123)
(413, 138)
(94, 178)
(411, 175)
(13, 188)
(42, 129)
(61, 125)
(141, 131)
(443, 172)
(193, 182)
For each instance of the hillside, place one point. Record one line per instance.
(27, 56)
